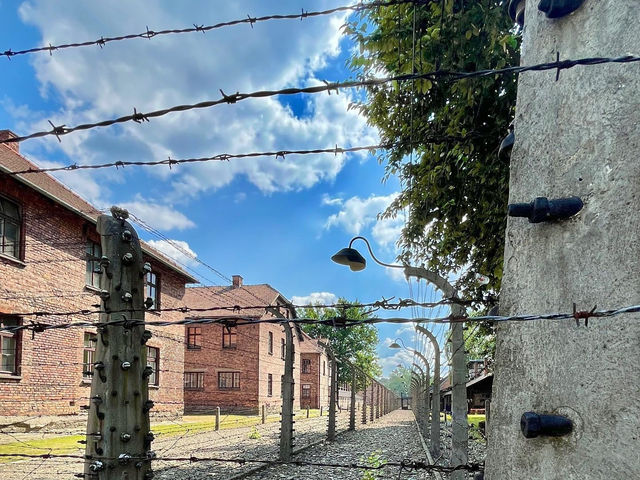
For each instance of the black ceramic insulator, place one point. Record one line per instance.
(545, 210)
(534, 425)
(559, 8)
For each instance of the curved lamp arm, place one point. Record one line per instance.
(390, 265)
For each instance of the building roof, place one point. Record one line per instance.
(233, 296)
(309, 345)
(12, 161)
(480, 378)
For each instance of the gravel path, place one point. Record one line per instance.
(392, 438)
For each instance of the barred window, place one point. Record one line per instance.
(269, 385)
(194, 338)
(229, 336)
(152, 289)
(270, 343)
(194, 380)
(229, 380)
(88, 354)
(306, 365)
(10, 227)
(153, 361)
(9, 346)
(306, 391)
(94, 253)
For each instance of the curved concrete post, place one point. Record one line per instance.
(435, 397)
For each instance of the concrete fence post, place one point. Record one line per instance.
(118, 423)
(331, 429)
(364, 401)
(286, 422)
(372, 402)
(217, 418)
(352, 410)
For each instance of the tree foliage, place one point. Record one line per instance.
(479, 341)
(454, 190)
(358, 342)
(398, 381)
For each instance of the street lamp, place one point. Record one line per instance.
(459, 452)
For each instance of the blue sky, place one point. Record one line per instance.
(273, 221)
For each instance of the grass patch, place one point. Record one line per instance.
(189, 423)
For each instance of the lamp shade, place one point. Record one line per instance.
(394, 345)
(350, 257)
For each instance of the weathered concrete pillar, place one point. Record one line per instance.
(352, 408)
(286, 422)
(364, 401)
(580, 136)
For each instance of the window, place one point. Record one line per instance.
(194, 338)
(94, 253)
(270, 343)
(229, 336)
(306, 391)
(306, 365)
(283, 349)
(10, 226)
(269, 385)
(89, 354)
(152, 289)
(194, 380)
(229, 380)
(153, 361)
(324, 367)
(9, 346)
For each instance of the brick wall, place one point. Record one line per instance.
(50, 380)
(212, 359)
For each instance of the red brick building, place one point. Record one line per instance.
(48, 247)
(238, 368)
(315, 374)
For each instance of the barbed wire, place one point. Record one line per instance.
(405, 464)
(337, 322)
(149, 34)
(385, 304)
(435, 75)
(170, 162)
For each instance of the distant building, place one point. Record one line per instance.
(49, 251)
(315, 374)
(239, 367)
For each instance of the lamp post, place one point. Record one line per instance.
(460, 429)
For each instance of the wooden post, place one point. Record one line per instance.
(264, 414)
(286, 422)
(487, 413)
(307, 412)
(352, 410)
(217, 418)
(118, 424)
(321, 408)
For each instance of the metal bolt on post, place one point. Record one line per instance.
(118, 428)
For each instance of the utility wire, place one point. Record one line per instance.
(436, 75)
(149, 34)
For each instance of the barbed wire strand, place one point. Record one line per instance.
(328, 87)
(149, 34)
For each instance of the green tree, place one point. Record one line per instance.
(358, 342)
(479, 341)
(398, 381)
(455, 190)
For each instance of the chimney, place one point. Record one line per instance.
(6, 134)
(237, 281)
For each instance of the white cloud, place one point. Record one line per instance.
(176, 250)
(323, 298)
(400, 357)
(408, 328)
(387, 230)
(158, 216)
(358, 213)
(93, 84)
